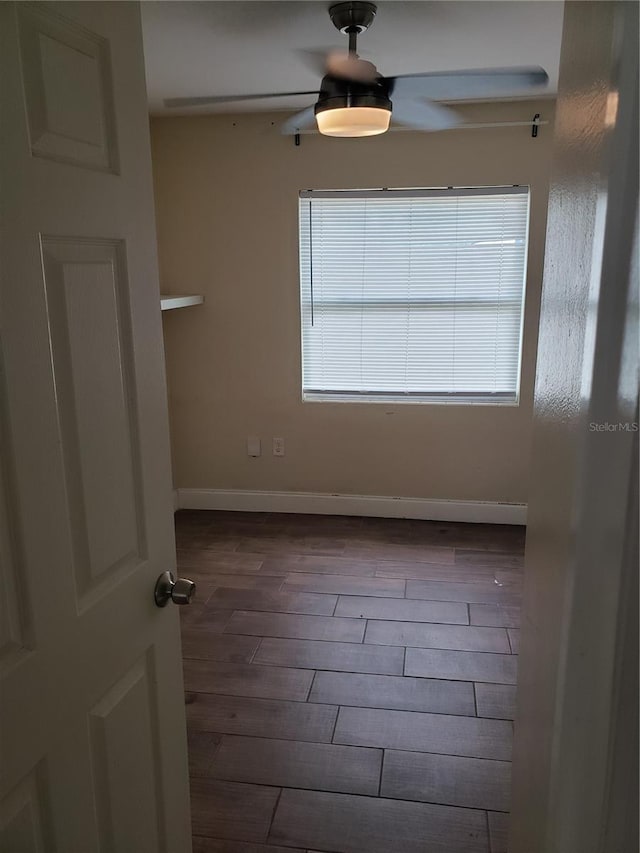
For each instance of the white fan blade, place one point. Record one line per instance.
(424, 115)
(463, 85)
(350, 67)
(298, 121)
(228, 99)
(341, 64)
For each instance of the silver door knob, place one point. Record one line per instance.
(168, 588)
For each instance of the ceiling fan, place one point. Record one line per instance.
(354, 99)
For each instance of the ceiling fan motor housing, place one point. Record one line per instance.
(352, 17)
(336, 93)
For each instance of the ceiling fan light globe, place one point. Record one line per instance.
(353, 121)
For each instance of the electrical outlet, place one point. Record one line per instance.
(278, 446)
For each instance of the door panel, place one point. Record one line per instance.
(93, 366)
(91, 699)
(67, 79)
(14, 621)
(122, 763)
(24, 822)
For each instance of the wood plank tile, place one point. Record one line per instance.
(297, 627)
(205, 540)
(401, 610)
(402, 550)
(275, 602)
(249, 581)
(192, 523)
(495, 615)
(296, 764)
(202, 592)
(217, 845)
(191, 613)
(237, 679)
(211, 645)
(341, 657)
(290, 544)
(331, 526)
(443, 734)
(509, 577)
(497, 701)
(318, 565)
(495, 559)
(498, 832)
(417, 535)
(514, 640)
(225, 530)
(462, 666)
(213, 621)
(448, 572)
(475, 783)
(219, 517)
(220, 563)
(188, 517)
(260, 717)
(191, 537)
(432, 636)
(237, 526)
(351, 824)
(202, 747)
(488, 537)
(480, 593)
(448, 533)
(393, 692)
(440, 533)
(344, 585)
(231, 809)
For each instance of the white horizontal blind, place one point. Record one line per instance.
(413, 294)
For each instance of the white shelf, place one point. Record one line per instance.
(168, 303)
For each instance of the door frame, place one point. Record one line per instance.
(575, 771)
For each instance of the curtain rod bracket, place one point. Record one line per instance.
(535, 125)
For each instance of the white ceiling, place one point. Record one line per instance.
(238, 47)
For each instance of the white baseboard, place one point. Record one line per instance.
(176, 500)
(480, 512)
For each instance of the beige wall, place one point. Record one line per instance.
(226, 199)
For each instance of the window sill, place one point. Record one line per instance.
(394, 400)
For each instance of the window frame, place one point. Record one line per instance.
(459, 398)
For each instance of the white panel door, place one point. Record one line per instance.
(92, 714)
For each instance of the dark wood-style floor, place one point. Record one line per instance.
(350, 682)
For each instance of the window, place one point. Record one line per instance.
(413, 295)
